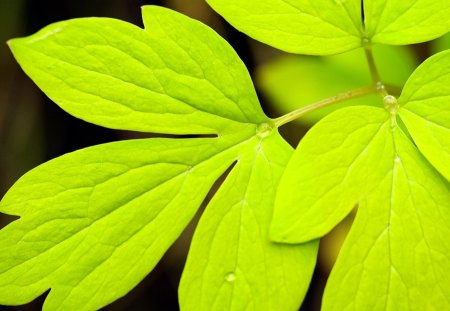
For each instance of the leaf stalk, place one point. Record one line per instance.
(371, 62)
(365, 90)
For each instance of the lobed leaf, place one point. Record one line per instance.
(177, 73)
(316, 27)
(323, 181)
(231, 251)
(95, 222)
(405, 22)
(425, 110)
(396, 256)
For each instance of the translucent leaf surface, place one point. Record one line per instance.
(396, 256)
(118, 75)
(323, 181)
(406, 21)
(94, 222)
(425, 110)
(83, 214)
(291, 81)
(316, 27)
(231, 249)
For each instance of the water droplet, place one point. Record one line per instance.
(390, 103)
(397, 160)
(365, 41)
(380, 86)
(263, 130)
(230, 277)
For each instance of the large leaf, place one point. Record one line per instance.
(406, 22)
(238, 218)
(323, 181)
(93, 223)
(396, 256)
(425, 110)
(317, 27)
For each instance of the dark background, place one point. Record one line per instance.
(34, 130)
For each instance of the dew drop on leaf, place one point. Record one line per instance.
(230, 277)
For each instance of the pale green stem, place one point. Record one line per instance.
(325, 102)
(373, 69)
(371, 62)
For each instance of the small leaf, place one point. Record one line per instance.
(426, 110)
(297, 26)
(231, 251)
(120, 76)
(396, 256)
(406, 22)
(334, 165)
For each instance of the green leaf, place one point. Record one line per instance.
(231, 250)
(297, 26)
(83, 214)
(405, 22)
(323, 181)
(425, 110)
(93, 223)
(330, 27)
(396, 256)
(120, 76)
(284, 80)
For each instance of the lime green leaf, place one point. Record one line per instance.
(406, 22)
(334, 165)
(396, 256)
(95, 222)
(297, 26)
(425, 109)
(285, 80)
(120, 76)
(231, 251)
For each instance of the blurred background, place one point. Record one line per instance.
(34, 130)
